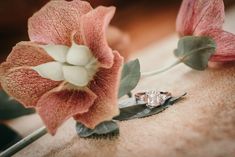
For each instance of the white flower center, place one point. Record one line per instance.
(75, 65)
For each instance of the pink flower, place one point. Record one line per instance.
(205, 18)
(67, 69)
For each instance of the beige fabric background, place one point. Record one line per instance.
(203, 124)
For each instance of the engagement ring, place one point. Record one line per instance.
(153, 98)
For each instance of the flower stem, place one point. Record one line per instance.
(158, 71)
(24, 142)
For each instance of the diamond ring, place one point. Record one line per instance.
(153, 98)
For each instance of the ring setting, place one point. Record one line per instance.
(153, 98)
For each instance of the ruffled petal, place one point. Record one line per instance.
(25, 85)
(196, 16)
(105, 85)
(56, 21)
(225, 42)
(93, 30)
(27, 54)
(58, 105)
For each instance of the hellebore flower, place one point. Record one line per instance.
(67, 69)
(206, 18)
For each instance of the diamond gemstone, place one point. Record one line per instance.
(156, 98)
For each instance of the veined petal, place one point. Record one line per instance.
(27, 54)
(21, 82)
(208, 15)
(55, 22)
(196, 16)
(93, 29)
(105, 85)
(51, 70)
(225, 42)
(78, 55)
(76, 75)
(184, 21)
(58, 105)
(25, 85)
(57, 52)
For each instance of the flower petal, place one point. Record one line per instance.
(105, 85)
(51, 70)
(25, 85)
(196, 16)
(225, 42)
(76, 75)
(28, 54)
(57, 52)
(57, 106)
(184, 22)
(78, 55)
(56, 21)
(93, 29)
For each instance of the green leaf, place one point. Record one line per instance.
(132, 110)
(103, 130)
(195, 51)
(130, 77)
(10, 109)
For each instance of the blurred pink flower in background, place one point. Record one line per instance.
(206, 18)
